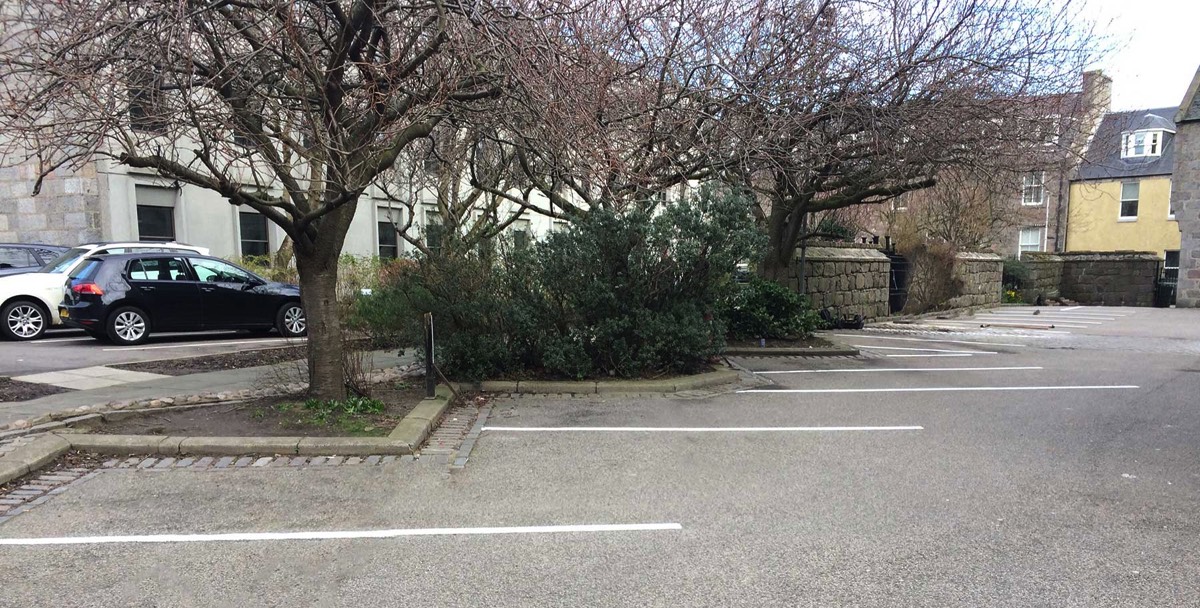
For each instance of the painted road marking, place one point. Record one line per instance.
(1031, 325)
(871, 337)
(214, 343)
(1072, 315)
(60, 340)
(927, 350)
(697, 429)
(918, 356)
(1039, 317)
(941, 389)
(332, 535)
(901, 369)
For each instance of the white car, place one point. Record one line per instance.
(30, 300)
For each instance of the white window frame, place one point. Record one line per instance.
(1150, 141)
(1170, 203)
(1033, 182)
(237, 222)
(394, 215)
(1121, 217)
(1037, 245)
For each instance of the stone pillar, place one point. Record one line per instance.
(1185, 195)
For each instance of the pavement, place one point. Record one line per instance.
(167, 386)
(975, 467)
(69, 350)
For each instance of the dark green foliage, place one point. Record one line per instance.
(624, 295)
(328, 409)
(1016, 274)
(765, 309)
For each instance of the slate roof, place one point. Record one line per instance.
(1189, 110)
(1103, 161)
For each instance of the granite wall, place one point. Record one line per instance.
(850, 280)
(981, 278)
(66, 212)
(1122, 278)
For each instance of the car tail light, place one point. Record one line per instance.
(87, 288)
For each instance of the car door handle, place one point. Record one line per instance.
(208, 289)
(148, 288)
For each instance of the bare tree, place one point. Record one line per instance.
(835, 103)
(292, 108)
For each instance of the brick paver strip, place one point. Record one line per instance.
(387, 459)
(318, 460)
(165, 463)
(129, 463)
(334, 461)
(108, 464)
(354, 460)
(407, 458)
(373, 459)
(206, 461)
(298, 460)
(282, 461)
(243, 461)
(223, 462)
(262, 462)
(147, 463)
(185, 462)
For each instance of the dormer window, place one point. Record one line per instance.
(1141, 143)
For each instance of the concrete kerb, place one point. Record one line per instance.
(419, 423)
(28, 458)
(608, 387)
(749, 351)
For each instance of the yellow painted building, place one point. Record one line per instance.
(1132, 214)
(1120, 197)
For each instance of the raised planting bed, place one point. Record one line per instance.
(277, 416)
(15, 390)
(212, 363)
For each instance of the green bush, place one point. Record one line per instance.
(765, 309)
(626, 295)
(1016, 274)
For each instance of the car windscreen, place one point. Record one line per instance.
(64, 262)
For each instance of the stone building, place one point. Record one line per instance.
(1185, 194)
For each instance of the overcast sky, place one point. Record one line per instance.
(1157, 49)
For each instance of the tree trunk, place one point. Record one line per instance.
(318, 280)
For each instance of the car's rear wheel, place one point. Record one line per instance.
(290, 320)
(23, 320)
(128, 325)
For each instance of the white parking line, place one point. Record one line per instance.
(900, 369)
(917, 356)
(694, 429)
(214, 343)
(58, 340)
(1045, 318)
(1079, 315)
(927, 350)
(1019, 325)
(871, 337)
(939, 389)
(332, 535)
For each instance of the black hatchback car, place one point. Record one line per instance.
(126, 296)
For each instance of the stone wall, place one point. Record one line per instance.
(1122, 278)
(981, 275)
(851, 280)
(1045, 274)
(67, 211)
(1185, 193)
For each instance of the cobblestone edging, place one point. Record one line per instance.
(47, 421)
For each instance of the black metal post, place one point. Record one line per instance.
(431, 380)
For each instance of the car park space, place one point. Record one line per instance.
(1032, 497)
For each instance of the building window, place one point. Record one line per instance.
(1171, 265)
(387, 224)
(254, 234)
(1033, 188)
(1031, 239)
(434, 230)
(155, 213)
(1129, 200)
(1170, 202)
(521, 234)
(900, 203)
(146, 107)
(1141, 143)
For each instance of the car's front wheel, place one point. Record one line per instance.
(23, 320)
(128, 325)
(290, 320)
